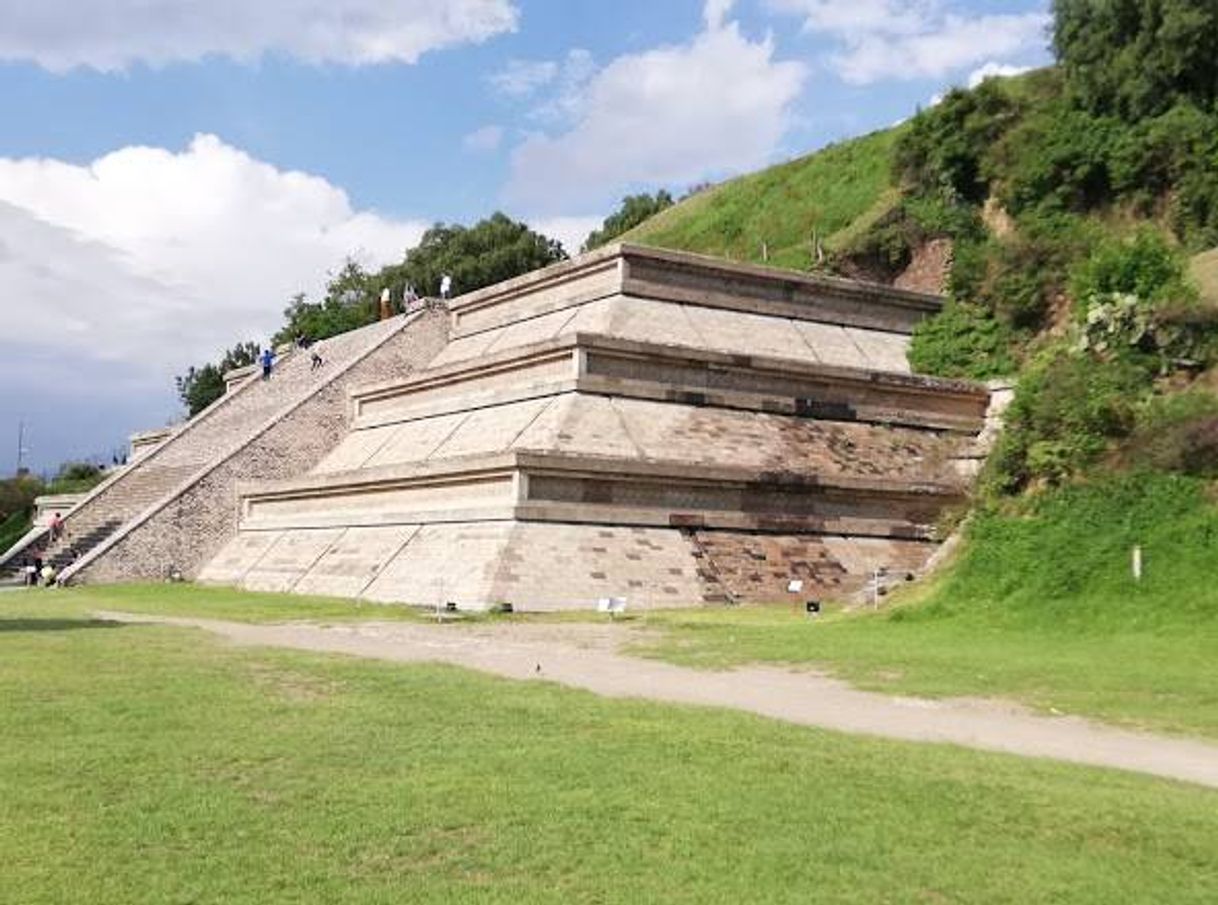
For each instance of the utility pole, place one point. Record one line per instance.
(21, 450)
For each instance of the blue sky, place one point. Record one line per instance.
(172, 171)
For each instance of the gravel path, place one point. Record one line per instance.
(587, 656)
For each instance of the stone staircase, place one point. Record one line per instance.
(283, 428)
(213, 437)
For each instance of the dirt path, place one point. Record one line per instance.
(587, 657)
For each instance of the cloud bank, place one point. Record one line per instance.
(111, 35)
(160, 259)
(912, 39)
(720, 103)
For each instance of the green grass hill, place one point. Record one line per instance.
(834, 192)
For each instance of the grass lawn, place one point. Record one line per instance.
(151, 764)
(221, 603)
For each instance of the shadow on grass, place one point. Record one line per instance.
(53, 625)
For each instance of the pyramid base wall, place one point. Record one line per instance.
(550, 566)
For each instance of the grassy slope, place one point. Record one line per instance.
(147, 764)
(835, 191)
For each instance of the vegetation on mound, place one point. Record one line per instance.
(633, 210)
(151, 764)
(787, 208)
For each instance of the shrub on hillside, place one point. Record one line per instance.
(1144, 265)
(963, 340)
(945, 150)
(1068, 408)
(1134, 294)
(1176, 433)
(1018, 278)
(1056, 159)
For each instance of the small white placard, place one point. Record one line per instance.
(611, 605)
(794, 586)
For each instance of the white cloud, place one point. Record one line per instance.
(164, 258)
(566, 101)
(718, 104)
(520, 78)
(958, 43)
(993, 70)
(570, 231)
(561, 82)
(483, 140)
(909, 39)
(715, 13)
(856, 17)
(114, 34)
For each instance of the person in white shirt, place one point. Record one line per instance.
(446, 285)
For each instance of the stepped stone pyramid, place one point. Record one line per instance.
(175, 505)
(659, 426)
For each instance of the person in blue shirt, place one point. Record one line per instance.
(268, 361)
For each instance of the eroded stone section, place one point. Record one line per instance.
(760, 567)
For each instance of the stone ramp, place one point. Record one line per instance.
(184, 476)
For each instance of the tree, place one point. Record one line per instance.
(350, 302)
(200, 387)
(1137, 58)
(633, 211)
(17, 495)
(491, 251)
